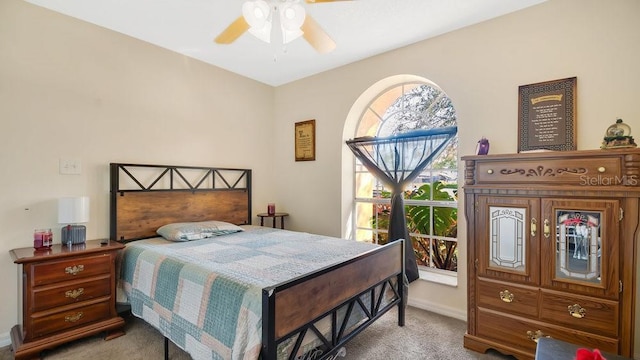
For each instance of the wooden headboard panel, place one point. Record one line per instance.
(145, 197)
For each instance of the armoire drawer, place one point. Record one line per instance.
(585, 313)
(522, 333)
(576, 171)
(515, 299)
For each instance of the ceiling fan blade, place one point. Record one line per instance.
(316, 37)
(233, 31)
(322, 1)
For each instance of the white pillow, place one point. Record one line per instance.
(196, 230)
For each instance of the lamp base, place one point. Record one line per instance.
(73, 234)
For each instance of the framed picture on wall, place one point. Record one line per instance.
(305, 140)
(547, 115)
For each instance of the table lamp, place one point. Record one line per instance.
(73, 211)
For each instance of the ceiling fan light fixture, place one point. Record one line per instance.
(257, 13)
(292, 17)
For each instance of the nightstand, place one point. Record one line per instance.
(274, 217)
(68, 292)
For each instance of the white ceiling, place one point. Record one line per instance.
(360, 28)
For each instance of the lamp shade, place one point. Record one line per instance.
(292, 17)
(73, 210)
(257, 14)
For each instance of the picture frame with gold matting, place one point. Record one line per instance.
(305, 140)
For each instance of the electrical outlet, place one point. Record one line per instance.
(70, 166)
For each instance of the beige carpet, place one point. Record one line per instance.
(425, 336)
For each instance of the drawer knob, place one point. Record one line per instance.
(577, 311)
(535, 335)
(74, 270)
(74, 293)
(506, 296)
(601, 169)
(490, 171)
(73, 318)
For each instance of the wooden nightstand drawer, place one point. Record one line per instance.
(522, 300)
(69, 269)
(47, 297)
(595, 315)
(45, 325)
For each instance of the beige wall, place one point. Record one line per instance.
(480, 68)
(130, 101)
(69, 89)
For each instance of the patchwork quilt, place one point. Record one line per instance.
(206, 295)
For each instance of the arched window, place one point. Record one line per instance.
(431, 201)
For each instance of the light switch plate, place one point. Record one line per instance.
(70, 167)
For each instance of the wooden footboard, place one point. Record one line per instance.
(293, 308)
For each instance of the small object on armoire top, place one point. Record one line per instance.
(483, 147)
(618, 136)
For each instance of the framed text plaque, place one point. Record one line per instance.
(305, 140)
(547, 115)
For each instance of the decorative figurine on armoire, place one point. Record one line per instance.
(618, 136)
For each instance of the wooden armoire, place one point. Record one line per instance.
(552, 249)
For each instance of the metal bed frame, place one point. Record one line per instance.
(290, 310)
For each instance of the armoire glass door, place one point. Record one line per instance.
(509, 241)
(578, 242)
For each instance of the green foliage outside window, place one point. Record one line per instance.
(442, 253)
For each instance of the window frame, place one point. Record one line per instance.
(428, 273)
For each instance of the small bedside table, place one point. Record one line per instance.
(274, 217)
(68, 292)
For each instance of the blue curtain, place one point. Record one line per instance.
(396, 161)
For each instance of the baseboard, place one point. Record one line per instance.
(5, 339)
(438, 309)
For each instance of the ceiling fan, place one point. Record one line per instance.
(258, 17)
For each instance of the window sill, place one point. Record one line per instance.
(439, 277)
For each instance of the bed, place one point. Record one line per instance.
(332, 289)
